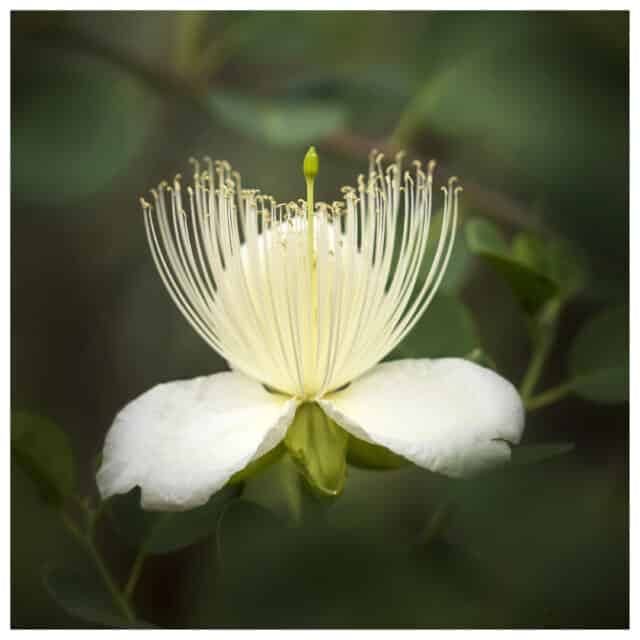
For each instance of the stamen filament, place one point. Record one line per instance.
(304, 313)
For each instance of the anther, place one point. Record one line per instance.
(430, 169)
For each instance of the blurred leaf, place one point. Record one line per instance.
(169, 531)
(459, 267)
(43, 449)
(328, 578)
(525, 521)
(371, 456)
(554, 257)
(319, 447)
(77, 122)
(277, 489)
(38, 539)
(599, 357)
(374, 94)
(279, 122)
(257, 466)
(238, 526)
(445, 330)
(182, 356)
(529, 112)
(485, 238)
(535, 453)
(82, 595)
(531, 287)
(536, 268)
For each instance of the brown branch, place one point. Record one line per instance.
(495, 204)
(161, 81)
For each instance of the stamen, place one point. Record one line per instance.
(301, 312)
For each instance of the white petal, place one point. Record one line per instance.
(182, 441)
(449, 415)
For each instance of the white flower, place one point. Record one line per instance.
(303, 312)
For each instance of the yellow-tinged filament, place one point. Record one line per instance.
(310, 169)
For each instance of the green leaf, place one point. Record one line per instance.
(536, 268)
(599, 357)
(248, 536)
(166, 532)
(531, 287)
(257, 466)
(535, 453)
(82, 595)
(319, 446)
(554, 257)
(44, 451)
(445, 329)
(370, 456)
(77, 123)
(484, 237)
(280, 122)
(279, 490)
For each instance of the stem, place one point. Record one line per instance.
(134, 575)
(543, 343)
(534, 370)
(118, 600)
(190, 29)
(437, 522)
(549, 396)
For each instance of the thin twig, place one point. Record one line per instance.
(134, 575)
(550, 396)
(542, 346)
(118, 599)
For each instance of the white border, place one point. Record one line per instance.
(324, 6)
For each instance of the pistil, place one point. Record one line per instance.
(310, 169)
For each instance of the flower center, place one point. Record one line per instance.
(303, 296)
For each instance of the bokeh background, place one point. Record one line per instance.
(529, 109)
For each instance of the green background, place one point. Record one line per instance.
(529, 109)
